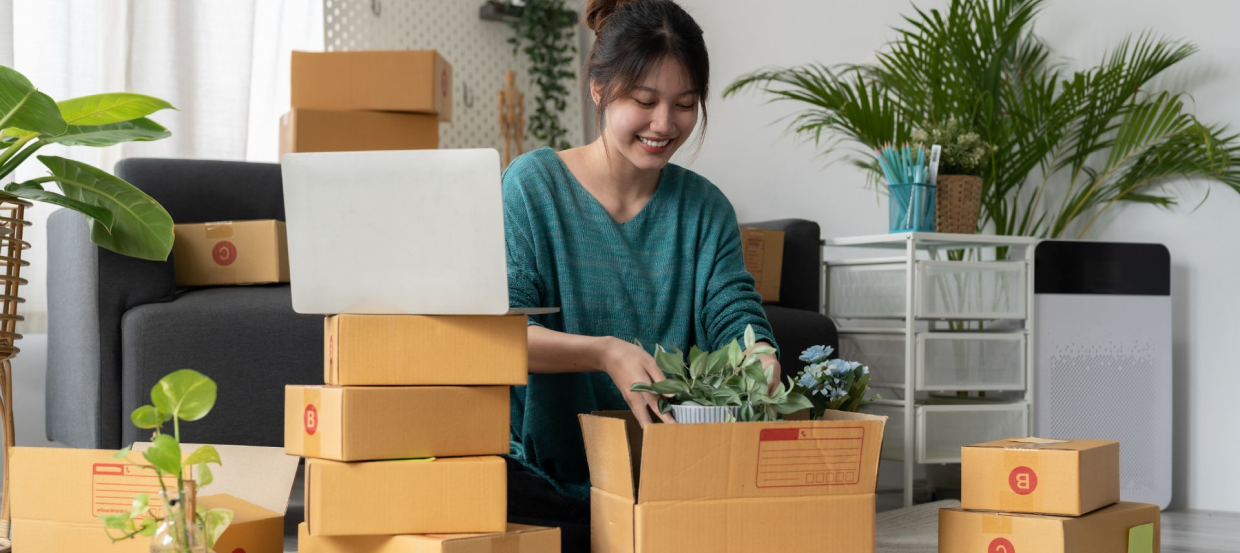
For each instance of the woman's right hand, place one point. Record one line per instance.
(628, 364)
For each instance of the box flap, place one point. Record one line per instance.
(1041, 443)
(243, 511)
(261, 475)
(835, 456)
(608, 452)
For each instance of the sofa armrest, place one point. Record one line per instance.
(800, 286)
(88, 290)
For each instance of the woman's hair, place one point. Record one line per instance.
(634, 35)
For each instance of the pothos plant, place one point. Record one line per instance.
(185, 395)
(545, 29)
(728, 377)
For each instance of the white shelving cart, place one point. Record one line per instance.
(951, 339)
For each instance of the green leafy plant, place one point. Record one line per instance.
(185, 395)
(545, 28)
(832, 384)
(122, 218)
(963, 151)
(1068, 146)
(728, 377)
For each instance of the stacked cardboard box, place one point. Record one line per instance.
(405, 436)
(366, 100)
(1049, 496)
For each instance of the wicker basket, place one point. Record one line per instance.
(12, 225)
(958, 203)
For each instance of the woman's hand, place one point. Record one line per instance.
(770, 360)
(628, 364)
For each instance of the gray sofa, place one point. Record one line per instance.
(117, 324)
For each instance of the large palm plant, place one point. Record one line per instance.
(1069, 145)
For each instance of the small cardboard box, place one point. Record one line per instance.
(1120, 528)
(416, 81)
(764, 258)
(1034, 475)
(401, 422)
(419, 496)
(230, 252)
(319, 130)
(58, 495)
(516, 538)
(420, 350)
(787, 486)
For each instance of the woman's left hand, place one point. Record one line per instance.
(770, 360)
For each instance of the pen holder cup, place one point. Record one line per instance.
(910, 207)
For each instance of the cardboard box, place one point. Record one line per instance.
(516, 538)
(230, 252)
(416, 81)
(59, 493)
(764, 258)
(449, 495)
(787, 486)
(376, 423)
(318, 130)
(1120, 528)
(419, 350)
(1034, 475)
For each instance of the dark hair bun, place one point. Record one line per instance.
(598, 11)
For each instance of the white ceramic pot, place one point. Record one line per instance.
(697, 414)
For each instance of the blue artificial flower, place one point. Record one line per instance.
(816, 354)
(837, 393)
(838, 367)
(807, 380)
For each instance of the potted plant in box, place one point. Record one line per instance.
(726, 385)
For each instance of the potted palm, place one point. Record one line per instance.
(122, 218)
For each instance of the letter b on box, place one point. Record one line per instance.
(1023, 480)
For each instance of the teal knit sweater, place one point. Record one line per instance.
(673, 275)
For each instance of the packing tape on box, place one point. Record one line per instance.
(1019, 493)
(996, 524)
(506, 544)
(311, 403)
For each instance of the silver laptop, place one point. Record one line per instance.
(416, 232)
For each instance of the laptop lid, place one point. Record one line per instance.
(397, 232)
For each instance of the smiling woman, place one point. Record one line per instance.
(632, 249)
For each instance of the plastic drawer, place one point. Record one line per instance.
(883, 353)
(943, 429)
(971, 290)
(948, 361)
(874, 291)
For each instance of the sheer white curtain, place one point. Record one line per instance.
(224, 64)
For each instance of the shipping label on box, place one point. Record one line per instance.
(416, 81)
(1034, 475)
(1120, 528)
(417, 350)
(442, 495)
(517, 538)
(667, 487)
(395, 422)
(764, 258)
(230, 252)
(59, 493)
(317, 130)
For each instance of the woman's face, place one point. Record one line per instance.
(649, 124)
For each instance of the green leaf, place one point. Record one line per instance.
(735, 353)
(750, 337)
(24, 107)
(204, 454)
(147, 417)
(697, 364)
(186, 394)
(140, 503)
(204, 475)
(165, 454)
(116, 521)
(793, 403)
(140, 228)
(105, 109)
(27, 191)
(215, 522)
(123, 453)
(149, 525)
(669, 363)
(98, 136)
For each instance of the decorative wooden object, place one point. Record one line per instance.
(511, 116)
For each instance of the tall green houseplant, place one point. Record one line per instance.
(1068, 145)
(543, 29)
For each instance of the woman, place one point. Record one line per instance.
(627, 245)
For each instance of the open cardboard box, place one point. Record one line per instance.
(786, 486)
(58, 495)
(1040, 476)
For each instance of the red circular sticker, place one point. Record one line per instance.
(1023, 480)
(238, 550)
(311, 418)
(224, 253)
(1001, 545)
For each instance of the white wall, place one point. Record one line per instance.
(768, 175)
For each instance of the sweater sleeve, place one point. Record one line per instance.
(732, 302)
(524, 285)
